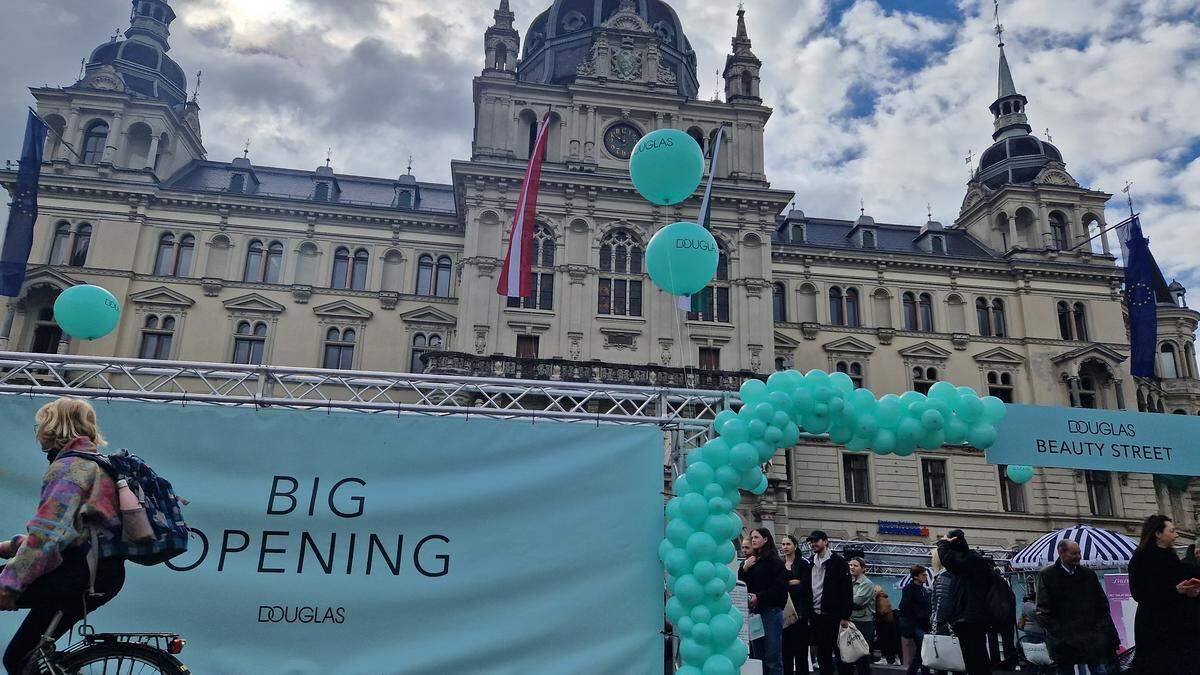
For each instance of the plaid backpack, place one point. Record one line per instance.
(161, 504)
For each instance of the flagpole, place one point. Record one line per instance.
(60, 137)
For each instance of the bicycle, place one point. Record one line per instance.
(99, 652)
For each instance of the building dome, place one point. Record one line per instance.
(1016, 160)
(560, 39)
(141, 60)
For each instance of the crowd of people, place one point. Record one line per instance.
(807, 604)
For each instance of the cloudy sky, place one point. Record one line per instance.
(879, 100)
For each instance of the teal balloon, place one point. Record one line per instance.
(701, 614)
(689, 670)
(685, 625)
(1019, 473)
(956, 431)
(672, 509)
(676, 562)
(699, 475)
(676, 611)
(718, 505)
(743, 457)
(760, 488)
(721, 604)
(678, 532)
(842, 382)
(702, 546)
(682, 486)
(781, 381)
(817, 378)
(765, 450)
(714, 588)
(885, 442)
(693, 652)
(840, 434)
(735, 431)
(791, 435)
(716, 452)
(712, 490)
(682, 258)
(727, 476)
(701, 633)
(718, 527)
(719, 664)
(689, 591)
(933, 420)
(666, 166)
(87, 312)
(725, 552)
(757, 428)
(722, 418)
(982, 436)
(944, 391)
(695, 456)
(753, 391)
(994, 409)
(970, 408)
(909, 431)
(737, 652)
(932, 440)
(774, 436)
(694, 508)
(705, 571)
(889, 411)
(724, 628)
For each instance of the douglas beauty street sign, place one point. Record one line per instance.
(1104, 440)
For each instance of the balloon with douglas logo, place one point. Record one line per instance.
(87, 312)
(682, 258)
(666, 166)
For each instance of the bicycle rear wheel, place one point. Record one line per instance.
(125, 658)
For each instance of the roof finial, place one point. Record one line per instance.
(246, 150)
(199, 81)
(329, 156)
(1048, 136)
(410, 159)
(116, 34)
(999, 26)
(717, 91)
(1128, 196)
(82, 68)
(929, 211)
(970, 160)
(862, 207)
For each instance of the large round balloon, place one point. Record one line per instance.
(666, 166)
(1019, 473)
(682, 258)
(87, 312)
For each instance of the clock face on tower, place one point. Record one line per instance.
(620, 140)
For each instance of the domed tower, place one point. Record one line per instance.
(567, 42)
(1020, 199)
(130, 110)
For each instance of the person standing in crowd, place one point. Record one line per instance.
(887, 631)
(915, 611)
(832, 600)
(971, 618)
(1167, 626)
(1029, 625)
(1073, 610)
(745, 548)
(795, 636)
(48, 570)
(1003, 604)
(767, 583)
(862, 613)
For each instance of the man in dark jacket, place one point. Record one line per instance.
(830, 589)
(971, 620)
(1073, 609)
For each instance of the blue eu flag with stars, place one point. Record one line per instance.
(22, 214)
(1140, 271)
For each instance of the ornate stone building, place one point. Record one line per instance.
(229, 261)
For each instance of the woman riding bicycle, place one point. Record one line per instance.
(49, 569)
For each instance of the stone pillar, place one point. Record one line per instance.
(1073, 390)
(1119, 389)
(116, 138)
(153, 153)
(64, 345)
(1012, 232)
(1104, 237)
(589, 135)
(10, 313)
(1044, 225)
(573, 132)
(71, 134)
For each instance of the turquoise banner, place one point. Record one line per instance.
(1102, 440)
(355, 543)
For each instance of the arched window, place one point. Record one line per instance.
(501, 57)
(174, 258)
(924, 378)
(79, 248)
(999, 322)
(1064, 321)
(698, 136)
(62, 241)
(1168, 366)
(853, 312)
(445, 270)
(157, 337)
(712, 303)
(808, 303)
(263, 265)
(422, 344)
(910, 312)
(837, 316)
(254, 262)
(94, 140)
(983, 317)
(619, 292)
(341, 268)
(925, 306)
(1080, 320)
(854, 369)
(1000, 385)
(1058, 231)
(541, 295)
(339, 349)
(938, 245)
(747, 83)
(883, 308)
(779, 302)
(358, 273)
(393, 269)
(425, 274)
(533, 133)
(868, 239)
(249, 343)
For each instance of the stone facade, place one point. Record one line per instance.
(228, 261)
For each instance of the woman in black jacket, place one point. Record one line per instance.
(767, 583)
(916, 608)
(1166, 630)
(795, 636)
(971, 617)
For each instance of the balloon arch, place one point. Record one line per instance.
(701, 517)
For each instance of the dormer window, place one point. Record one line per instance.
(404, 198)
(237, 183)
(937, 244)
(321, 192)
(868, 239)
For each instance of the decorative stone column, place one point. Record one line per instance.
(10, 313)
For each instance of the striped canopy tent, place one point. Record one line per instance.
(1100, 548)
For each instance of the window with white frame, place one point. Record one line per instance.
(250, 343)
(619, 289)
(157, 335)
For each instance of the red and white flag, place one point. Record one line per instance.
(516, 276)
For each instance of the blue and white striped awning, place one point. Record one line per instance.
(1100, 548)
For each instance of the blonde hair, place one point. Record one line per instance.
(62, 421)
(935, 561)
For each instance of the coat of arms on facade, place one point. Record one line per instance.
(626, 64)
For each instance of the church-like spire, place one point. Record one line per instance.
(1009, 107)
(742, 67)
(151, 20)
(501, 43)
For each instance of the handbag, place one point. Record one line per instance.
(942, 652)
(852, 646)
(1037, 653)
(789, 613)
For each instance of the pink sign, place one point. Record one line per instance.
(1121, 606)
